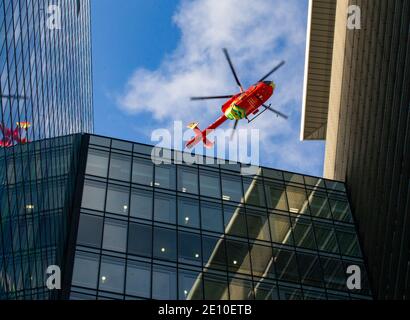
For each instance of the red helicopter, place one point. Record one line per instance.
(239, 106)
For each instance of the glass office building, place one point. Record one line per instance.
(121, 225)
(45, 92)
(205, 231)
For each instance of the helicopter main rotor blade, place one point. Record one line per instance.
(232, 69)
(212, 97)
(234, 129)
(278, 113)
(272, 71)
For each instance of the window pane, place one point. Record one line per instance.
(97, 163)
(142, 172)
(258, 227)
(165, 244)
(238, 257)
(231, 188)
(164, 283)
(165, 208)
(212, 218)
(298, 202)
(210, 185)
(326, 238)
(85, 270)
(112, 275)
(240, 289)
(262, 260)
(215, 287)
(188, 180)
(93, 195)
(90, 230)
(348, 242)
(266, 291)
(254, 194)
(140, 240)
(188, 212)
(120, 167)
(115, 235)
(303, 233)
(165, 177)
(235, 221)
(341, 210)
(280, 229)
(276, 196)
(190, 285)
(117, 200)
(319, 205)
(286, 293)
(310, 271)
(141, 204)
(189, 247)
(334, 273)
(285, 264)
(138, 279)
(213, 250)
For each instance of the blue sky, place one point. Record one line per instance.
(150, 56)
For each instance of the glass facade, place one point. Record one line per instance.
(45, 92)
(177, 231)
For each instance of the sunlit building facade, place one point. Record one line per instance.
(45, 92)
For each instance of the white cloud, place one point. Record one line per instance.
(258, 34)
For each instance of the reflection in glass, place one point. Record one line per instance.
(93, 195)
(115, 235)
(333, 273)
(280, 229)
(235, 221)
(138, 279)
(285, 265)
(238, 257)
(141, 204)
(319, 206)
(258, 227)
(310, 270)
(164, 283)
(254, 194)
(262, 260)
(112, 275)
(142, 172)
(303, 233)
(120, 167)
(117, 200)
(265, 290)
(286, 293)
(240, 289)
(214, 253)
(341, 210)
(276, 196)
(164, 208)
(348, 242)
(97, 163)
(297, 200)
(215, 287)
(326, 237)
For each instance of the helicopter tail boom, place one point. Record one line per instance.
(199, 136)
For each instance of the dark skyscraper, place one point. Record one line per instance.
(357, 98)
(45, 91)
